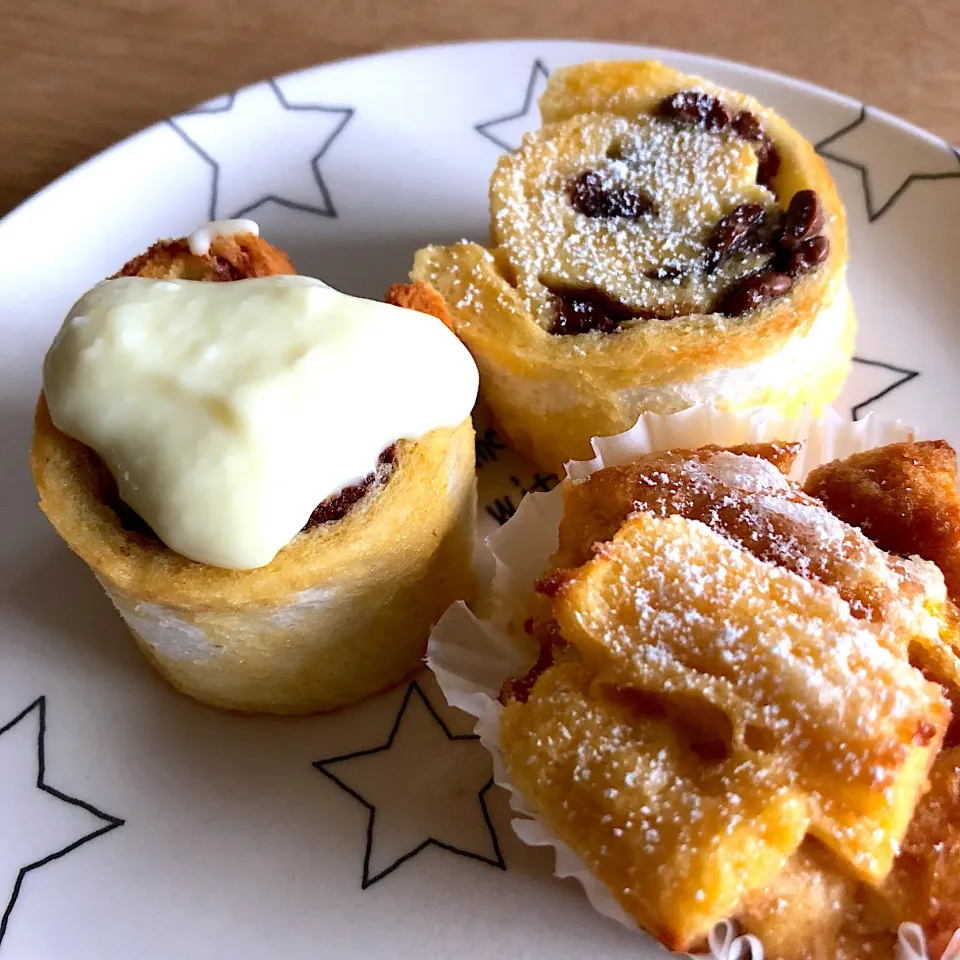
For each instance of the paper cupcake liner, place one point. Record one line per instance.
(471, 657)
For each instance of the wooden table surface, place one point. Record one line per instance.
(76, 75)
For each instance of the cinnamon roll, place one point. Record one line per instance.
(272, 481)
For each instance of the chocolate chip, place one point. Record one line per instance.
(732, 231)
(615, 150)
(587, 194)
(807, 255)
(718, 117)
(754, 289)
(747, 126)
(804, 219)
(588, 310)
(340, 504)
(765, 239)
(583, 309)
(768, 161)
(775, 284)
(592, 198)
(665, 271)
(691, 106)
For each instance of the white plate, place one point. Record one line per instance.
(158, 829)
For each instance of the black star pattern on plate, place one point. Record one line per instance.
(25, 849)
(217, 132)
(900, 376)
(847, 156)
(513, 125)
(420, 789)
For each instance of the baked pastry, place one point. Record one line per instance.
(270, 543)
(736, 707)
(903, 497)
(814, 908)
(660, 242)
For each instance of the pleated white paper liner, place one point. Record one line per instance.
(471, 657)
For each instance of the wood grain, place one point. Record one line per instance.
(77, 75)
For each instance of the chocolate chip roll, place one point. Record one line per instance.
(660, 242)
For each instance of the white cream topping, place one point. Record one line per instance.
(199, 241)
(228, 411)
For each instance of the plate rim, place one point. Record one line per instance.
(764, 73)
(22, 212)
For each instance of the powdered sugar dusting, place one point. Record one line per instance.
(749, 474)
(693, 176)
(749, 501)
(627, 784)
(683, 609)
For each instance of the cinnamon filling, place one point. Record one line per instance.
(334, 508)
(340, 504)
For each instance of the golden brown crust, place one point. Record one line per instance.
(552, 393)
(76, 491)
(619, 786)
(422, 297)
(75, 487)
(903, 497)
(925, 884)
(718, 624)
(595, 508)
(237, 257)
(713, 487)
